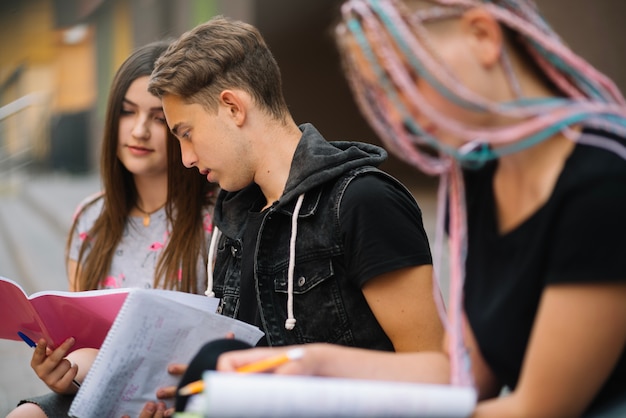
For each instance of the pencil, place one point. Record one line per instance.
(192, 388)
(256, 367)
(271, 362)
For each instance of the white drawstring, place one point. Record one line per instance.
(209, 265)
(290, 323)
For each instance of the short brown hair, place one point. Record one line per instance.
(216, 55)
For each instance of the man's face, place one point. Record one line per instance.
(211, 142)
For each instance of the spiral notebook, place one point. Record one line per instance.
(150, 332)
(279, 396)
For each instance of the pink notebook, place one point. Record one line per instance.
(57, 315)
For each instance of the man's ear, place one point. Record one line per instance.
(485, 33)
(235, 105)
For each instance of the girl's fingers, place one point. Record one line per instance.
(61, 351)
(39, 354)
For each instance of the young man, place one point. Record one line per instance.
(317, 245)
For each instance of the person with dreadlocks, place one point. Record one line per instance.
(528, 140)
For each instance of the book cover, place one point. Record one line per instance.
(58, 315)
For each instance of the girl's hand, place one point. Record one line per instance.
(53, 368)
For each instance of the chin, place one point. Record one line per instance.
(230, 187)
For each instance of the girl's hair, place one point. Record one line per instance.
(188, 193)
(385, 45)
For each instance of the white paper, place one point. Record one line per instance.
(266, 395)
(153, 329)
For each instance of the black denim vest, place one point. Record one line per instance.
(327, 306)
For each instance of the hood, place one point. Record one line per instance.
(314, 163)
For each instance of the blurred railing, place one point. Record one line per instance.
(23, 127)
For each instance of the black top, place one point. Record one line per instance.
(577, 236)
(382, 231)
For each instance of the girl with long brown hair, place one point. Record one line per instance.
(143, 181)
(149, 227)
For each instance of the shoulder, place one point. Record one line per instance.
(368, 181)
(595, 169)
(90, 206)
(378, 195)
(375, 185)
(587, 207)
(586, 218)
(595, 147)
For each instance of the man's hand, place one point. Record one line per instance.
(159, 409)
(154, 410)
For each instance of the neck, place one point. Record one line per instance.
(556, 148)
(151, 192)
(525, 181)
(276, 147)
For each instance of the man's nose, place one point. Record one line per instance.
(188, 155)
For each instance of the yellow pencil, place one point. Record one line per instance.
(257, 367)
(192, 388)
(271, 362)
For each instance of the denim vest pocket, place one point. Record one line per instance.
(317, 303)
(306, 276)
(228, 306)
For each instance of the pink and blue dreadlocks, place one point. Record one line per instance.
(394, 46)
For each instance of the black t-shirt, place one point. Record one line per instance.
(381, 229)
(577, 236)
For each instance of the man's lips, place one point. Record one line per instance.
(207, 173)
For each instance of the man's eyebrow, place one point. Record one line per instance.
(175, 128)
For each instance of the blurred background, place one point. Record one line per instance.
(58, 57)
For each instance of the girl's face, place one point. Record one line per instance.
(457, 45)
(142, 132)
(460, 55)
